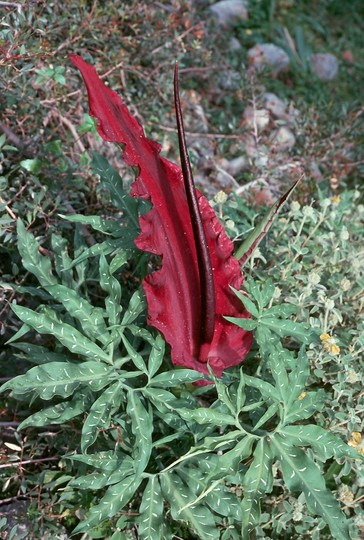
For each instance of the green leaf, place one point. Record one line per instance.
(100, 414)
(206, 416)
(175, 377)
(266, 389)
(324, 443)
(198, 517)
(61, 412)
(32, 260)
(110, 179)
(71, 338)
(247, 324)
(39, 355)
(151, 513)
(156, 355)
(106, 226)
(91, 318)
(258, 480)
(270, 413)
(134, 355)
(60, 379)
(224, 502)
(228, 462)
(301, 474)
(248, 304)
(142, 428)
(115, 499)
(135, 308)
(112, 302)
(287, 328)
(305, 406)
(252, 241)
(62, 261)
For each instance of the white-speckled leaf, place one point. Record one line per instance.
(100, 414)
(151, 511)
(302, 475)
(324, 443)
(198, 518)
(142, 428)
(91, 318)
(60, 379)
(258, 480)
(71, 338)
(39, 265)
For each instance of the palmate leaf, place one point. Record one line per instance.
(61, 412)
(71, 338)
(60, 379)
(32, 260)
(142, 428)
(151, 511)
(100, 414)
(198, 517)
(258, 480)
(301, 474)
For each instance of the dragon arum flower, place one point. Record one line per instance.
(190, 294)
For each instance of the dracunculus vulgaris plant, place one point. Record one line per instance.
(190, 295)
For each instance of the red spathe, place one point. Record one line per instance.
(173, 291)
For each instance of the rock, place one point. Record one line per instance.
(257, 117)
(275, 105)
(234, 45)
(229, 12)
(228, 170)
(230, 80)
(268, 54)
(325, 65)
(283, 138)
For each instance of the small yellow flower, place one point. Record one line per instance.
(357, 442)
(335, 199)
(332, 349)
(345, 494)
(302, 395)
(330, 344)
(248, 31)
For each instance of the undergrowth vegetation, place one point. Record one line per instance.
(102, 436)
